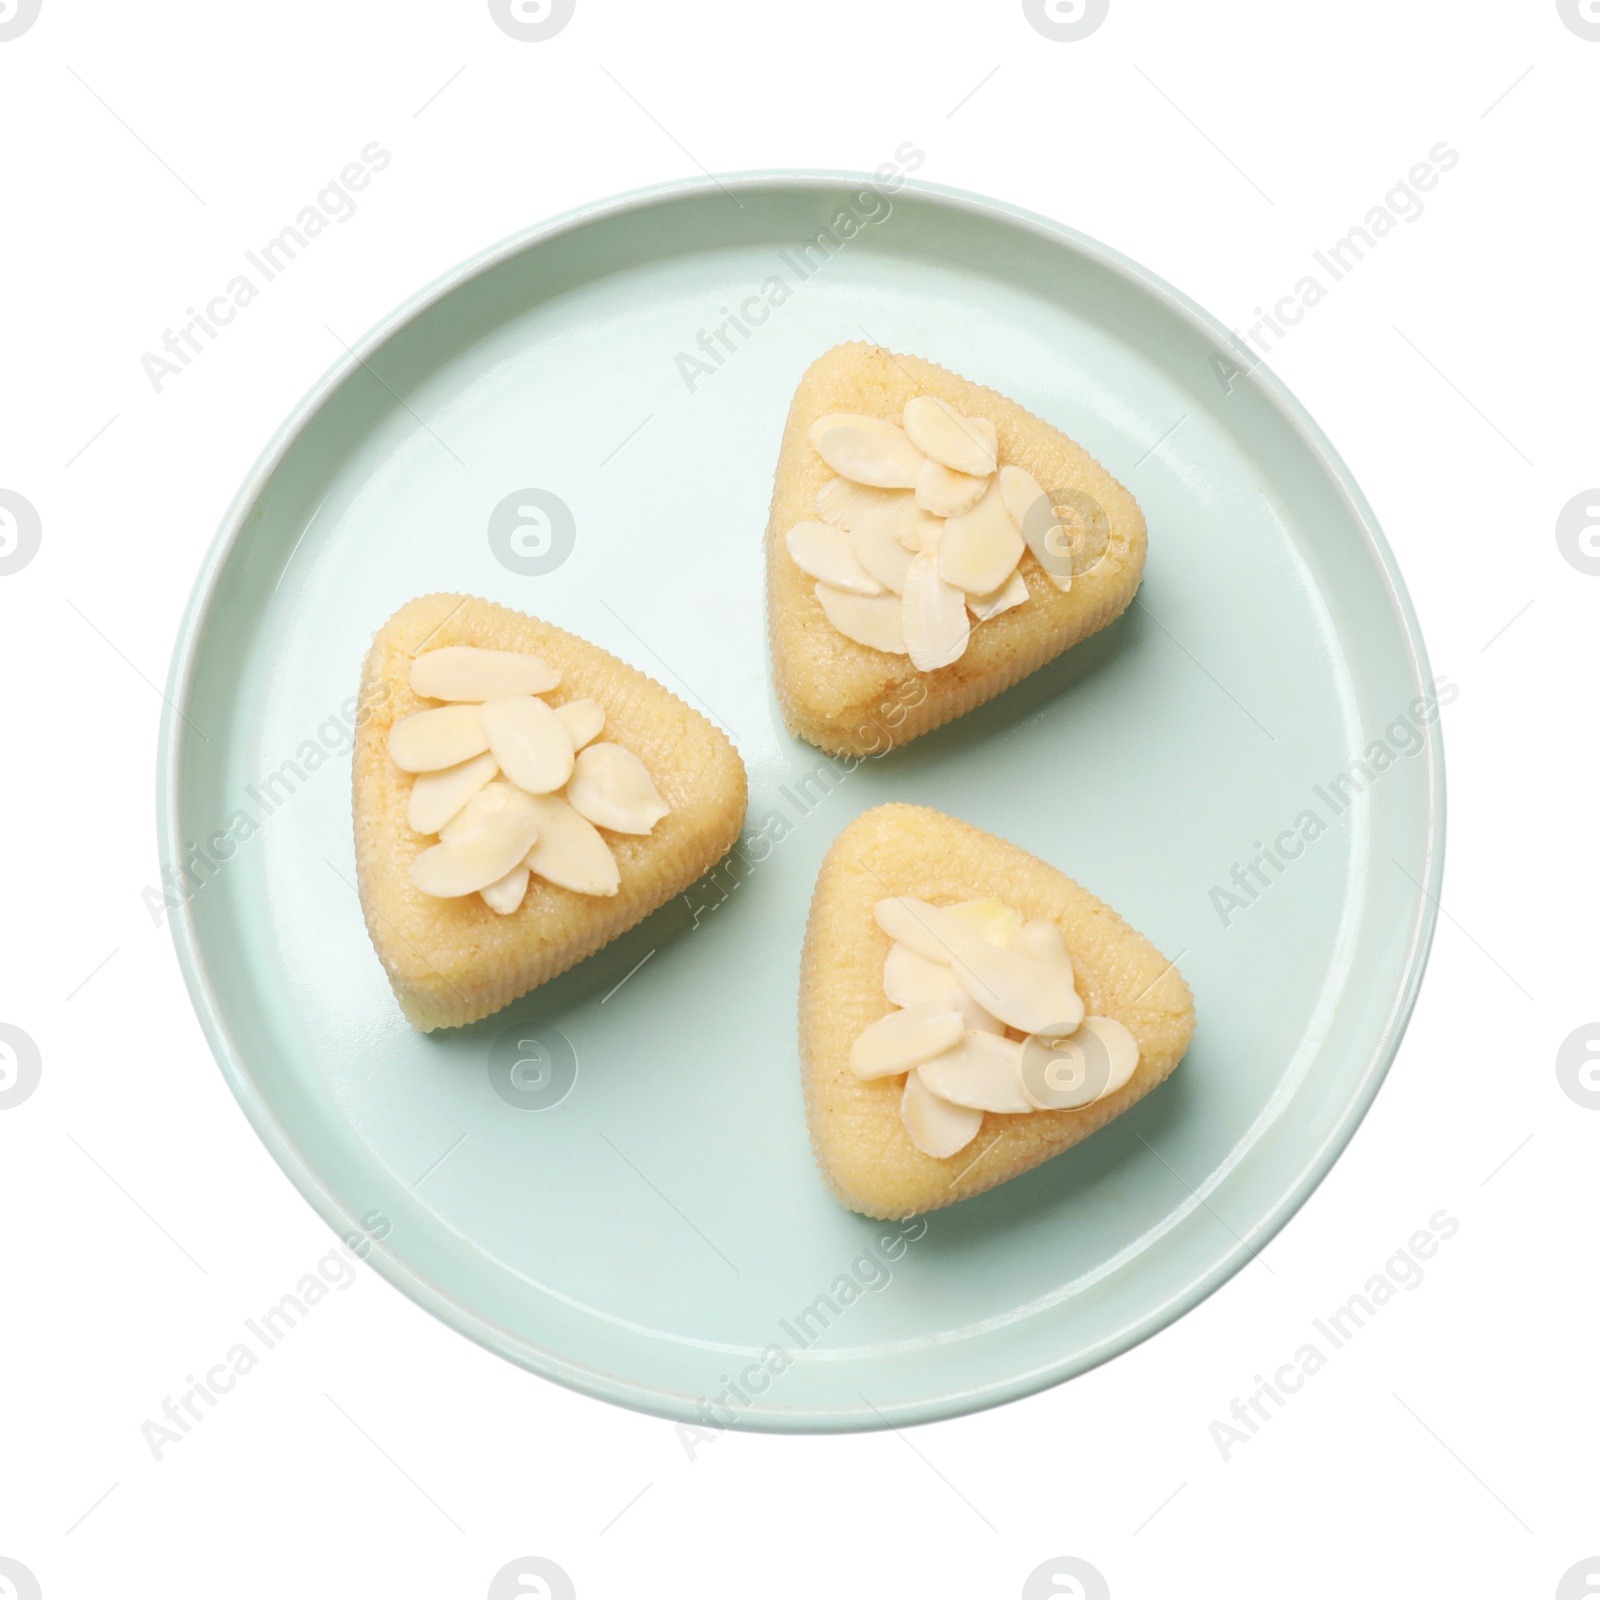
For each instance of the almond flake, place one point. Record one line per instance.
(870, 519)
(583, 720)
(898, 1041)
(505, 894)
(913, 980)
(530, 742)
(570, 852)
(945, 493)
(982, 1071)
(428, 741)
(873, 621)
(918, 531)
(611, 788)
(933, 615)
(479, 854)
(1036, 517)
(1028, 994)
(944, 435)
(876, 545)
(977, 1019)
(1012, 593)
(928, 930)
(436, 797)
(846, 505)
(979, 551)
(1119, 1044)
(1043, 940)
(823, 551)
(491, 798)
(879, 455)
(829, 420)
(463, 672)
(991, 919)
(936, 1127)
(1066, 1074)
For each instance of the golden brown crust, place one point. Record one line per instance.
(451, 962)
(827, 685)
(860, 1144)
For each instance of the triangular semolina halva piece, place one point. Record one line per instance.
(862, 1144)
(454, 960)
(847, 696)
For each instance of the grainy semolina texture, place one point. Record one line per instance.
(453, 961)
(861, 1146)
(830, 687)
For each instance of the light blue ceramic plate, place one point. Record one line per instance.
(647, 1239)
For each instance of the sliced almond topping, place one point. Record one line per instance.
(913, 980)
(979, 551)
(830, 420)
(898, 1041)
(1043, 940)
(933, 615)
(612, 789)
(478, 809)
(530, 742)
(823, 551)
(946, 493)
(1119, 1044)
(1022, 494)
(874, 621)
(879, 455)
(982, 1071)
(846, 505)
(1034, 515)
(1060, 1075)
(583, 720)
(505, 894)
(870, 519)
(936, 1127)
(990, 919)
(437, 796)
(942, 433)
(463, 672)
(931, 932)
(977, 1019)
(1066, 1074)
(494, 841)
(428, 741)
(876, 545)
(918, 531)
(1027, 994)
(570, 852)
(1011, 594)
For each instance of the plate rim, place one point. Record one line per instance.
(474, 1324)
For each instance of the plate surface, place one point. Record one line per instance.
(661, 1233)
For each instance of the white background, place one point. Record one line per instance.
(376, 1452)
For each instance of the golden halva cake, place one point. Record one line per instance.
(927, 530)
(521, 798)
(967, 1012)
